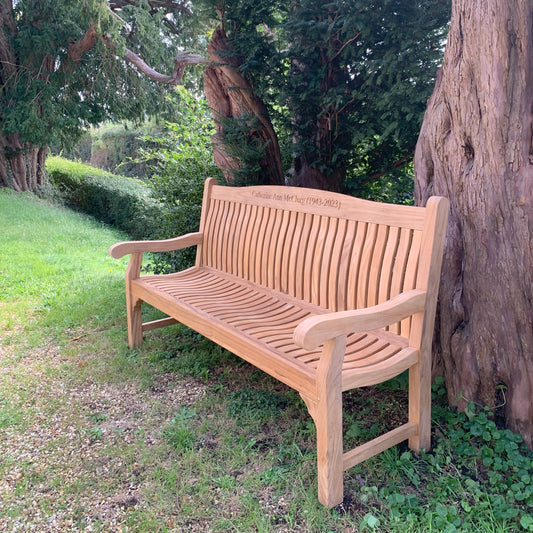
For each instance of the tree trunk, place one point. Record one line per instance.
(21, 164)
(305, 175)
(231, 96)
(476, 148)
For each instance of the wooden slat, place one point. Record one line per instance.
(309, 258)
(248, 245)
(344, 266)
(387, 268)
(236, 262)
(227, 237)
(375, 446)
(363, 278)
(318, 287)
(294, 262)
(241, 247)
(355, 265)
(284, 257)
(409, 281)
(337, 277)
(299, 267)
(376, 265)
(269, 238)
(160, 323)
(398, 269)
(333, 250)
(254, 271)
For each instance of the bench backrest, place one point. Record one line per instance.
(332, 250)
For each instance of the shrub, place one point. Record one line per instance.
(122, 202)
(181, 161)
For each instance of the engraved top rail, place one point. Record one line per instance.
(324, 203)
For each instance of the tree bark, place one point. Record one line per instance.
(476, 148)
(22, 165)
(230, 96)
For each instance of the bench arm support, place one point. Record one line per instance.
(121, 249)
(317, 329)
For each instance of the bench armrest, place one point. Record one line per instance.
(121, 249)
(317, 329)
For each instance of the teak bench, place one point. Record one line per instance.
(323, 291)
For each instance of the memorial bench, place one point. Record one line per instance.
(322, 291)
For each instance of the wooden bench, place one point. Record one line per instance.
(323, 291)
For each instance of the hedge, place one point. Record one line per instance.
(125, 203)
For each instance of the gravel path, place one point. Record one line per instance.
(56, 435)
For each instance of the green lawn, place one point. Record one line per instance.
(180, 435)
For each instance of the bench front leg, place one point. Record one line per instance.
(328, 421)
(133, 305)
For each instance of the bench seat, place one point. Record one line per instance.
(245, 317)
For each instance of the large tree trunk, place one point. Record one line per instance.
(476, 148)
(230, 96)
(21, 164)
(306, 175)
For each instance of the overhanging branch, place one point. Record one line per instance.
(182, 60)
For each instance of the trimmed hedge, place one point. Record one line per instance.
(125, 203)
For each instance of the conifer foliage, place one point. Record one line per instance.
(65, 65)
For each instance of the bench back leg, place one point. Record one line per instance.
(420, 406)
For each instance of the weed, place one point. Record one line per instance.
(96, 433)
(178, 433)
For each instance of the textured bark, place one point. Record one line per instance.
(230, 96)
(21, 164)
(476, 148)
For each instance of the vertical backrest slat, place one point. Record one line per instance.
(366, 265)
(248, 244)
(229, 238)
(387, 267)
(344, 265)
(276, 223)
(410, 277)
(307, 266)
(301, 280)
(268, 240)
(376, 267)
(242, 255)
(285, 256)
(400, 266)
(338, 239)
(317, 277)
(355, 265)
(263, 240)
(295, 257)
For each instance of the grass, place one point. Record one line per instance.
(181, 435)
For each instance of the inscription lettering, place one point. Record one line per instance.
(314, 201)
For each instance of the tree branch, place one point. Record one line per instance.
(76, 49)
(180, 62)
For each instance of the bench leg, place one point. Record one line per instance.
(135, 334)
(420, 406)
(328, 421)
